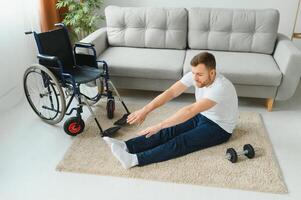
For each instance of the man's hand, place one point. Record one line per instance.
(137, 117)
(151, 130)
(172, 92)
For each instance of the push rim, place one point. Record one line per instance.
(44, 94)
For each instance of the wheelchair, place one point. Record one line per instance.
(51, 85)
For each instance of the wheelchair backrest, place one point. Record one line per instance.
(56, 43)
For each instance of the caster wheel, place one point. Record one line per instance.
(74, 126)
(110, 108)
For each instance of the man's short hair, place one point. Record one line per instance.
(204, 58)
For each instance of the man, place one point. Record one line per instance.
(207, 122)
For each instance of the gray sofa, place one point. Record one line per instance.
(150, 48)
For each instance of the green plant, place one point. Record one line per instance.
(81, 16)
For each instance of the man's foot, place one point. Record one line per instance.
(126, 159)
(120, 143)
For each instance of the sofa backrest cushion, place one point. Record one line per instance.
(233, 29)
(149, 27)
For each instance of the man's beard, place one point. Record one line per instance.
(201, 85)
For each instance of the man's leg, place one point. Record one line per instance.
(141, 143)
(201, 137)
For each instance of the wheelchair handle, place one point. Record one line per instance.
(59, 24)
(28, 32)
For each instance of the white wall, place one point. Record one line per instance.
(17, 50)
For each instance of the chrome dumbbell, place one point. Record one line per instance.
(232, 155)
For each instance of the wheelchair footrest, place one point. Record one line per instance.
(110, 131)
(122, 120)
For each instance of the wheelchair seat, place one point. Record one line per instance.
(83, 74)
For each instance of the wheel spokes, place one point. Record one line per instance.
(44, 94)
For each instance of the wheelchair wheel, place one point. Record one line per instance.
(44, 94)
(110, 108)
(74, 126)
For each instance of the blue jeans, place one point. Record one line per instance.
(196, 133)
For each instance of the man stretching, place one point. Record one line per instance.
(207, 122)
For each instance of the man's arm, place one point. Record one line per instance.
(188, 112)
(180, 116)
(175, 90)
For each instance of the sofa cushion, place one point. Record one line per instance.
(243, 68)
(144, 63)
(147, 27)
(233, 29)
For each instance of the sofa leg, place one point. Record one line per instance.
(269, 104)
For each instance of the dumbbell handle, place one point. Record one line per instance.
(242, 152)
(239, 153)
(228, 156)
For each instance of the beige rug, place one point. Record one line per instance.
(208, 167)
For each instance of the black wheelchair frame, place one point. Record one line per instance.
(53, 64)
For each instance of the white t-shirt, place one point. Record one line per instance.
(221, 91)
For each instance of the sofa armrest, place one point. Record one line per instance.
(288, 59)
(99, 39)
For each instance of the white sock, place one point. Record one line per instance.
(120, 143)
(126, 159)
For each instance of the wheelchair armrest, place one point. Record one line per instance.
(48, 58)
(84, 57)
(84, 45)
(51, 61)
